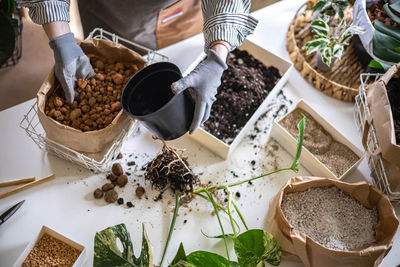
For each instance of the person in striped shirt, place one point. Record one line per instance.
(154, 24)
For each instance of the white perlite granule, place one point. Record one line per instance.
(331, 217)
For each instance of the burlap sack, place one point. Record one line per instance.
(382, 119)
(92, 141)
(297, 246)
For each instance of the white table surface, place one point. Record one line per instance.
(66, 204)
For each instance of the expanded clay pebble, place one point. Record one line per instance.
(331, 217)
(98, 193)
(140, 191)
(107, 187)
(122, 180)
(112, 177)
(49, 251)
(111, 196)
(117, 169)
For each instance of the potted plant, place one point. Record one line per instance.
(10, 30)
(381, 20)
(329, 44)
(329, 8)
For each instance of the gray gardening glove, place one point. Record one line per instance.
(70, 63)
(202, 84)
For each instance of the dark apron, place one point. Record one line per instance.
(152, 23)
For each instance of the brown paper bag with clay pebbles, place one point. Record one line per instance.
(298, 246)
(382, 119)
(93, 141)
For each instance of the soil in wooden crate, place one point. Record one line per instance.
(393, 91)
(170, 169)
(334, 155)
(244, 86)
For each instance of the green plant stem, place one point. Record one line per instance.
(238, 183)
(221, 208)
(171, 228)
(219, 221)
(240, 214)
(206, 198)
(230, 211)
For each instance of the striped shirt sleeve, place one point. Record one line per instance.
(46, 11)
(227, 20)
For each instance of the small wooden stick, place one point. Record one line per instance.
(18, 181)
(25, 186)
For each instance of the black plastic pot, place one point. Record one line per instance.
(148, 98)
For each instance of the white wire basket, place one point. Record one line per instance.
(376, 165)
(31, 124)
(150, 56)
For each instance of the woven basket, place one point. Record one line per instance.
(343, 80)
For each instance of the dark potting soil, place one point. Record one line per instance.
(393, 91)
(244, 86)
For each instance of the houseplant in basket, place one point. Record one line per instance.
(330, 8)
(381, 40)
(9, 30)
(329, 43)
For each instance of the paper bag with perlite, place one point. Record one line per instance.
(298, 246)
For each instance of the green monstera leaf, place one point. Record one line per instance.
(255, 246)
(107, 253)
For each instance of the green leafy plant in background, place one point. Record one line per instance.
(253, 247)
(331, 7)
(8, 30)
(330, 43)
(386, 39)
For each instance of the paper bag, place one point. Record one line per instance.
(382, 119)
(297, 246)
(91, 141)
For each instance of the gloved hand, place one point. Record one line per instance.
(202, 84)
(70, 63)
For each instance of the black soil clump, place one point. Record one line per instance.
(393, 91)
(170, 169)
(244, 86)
